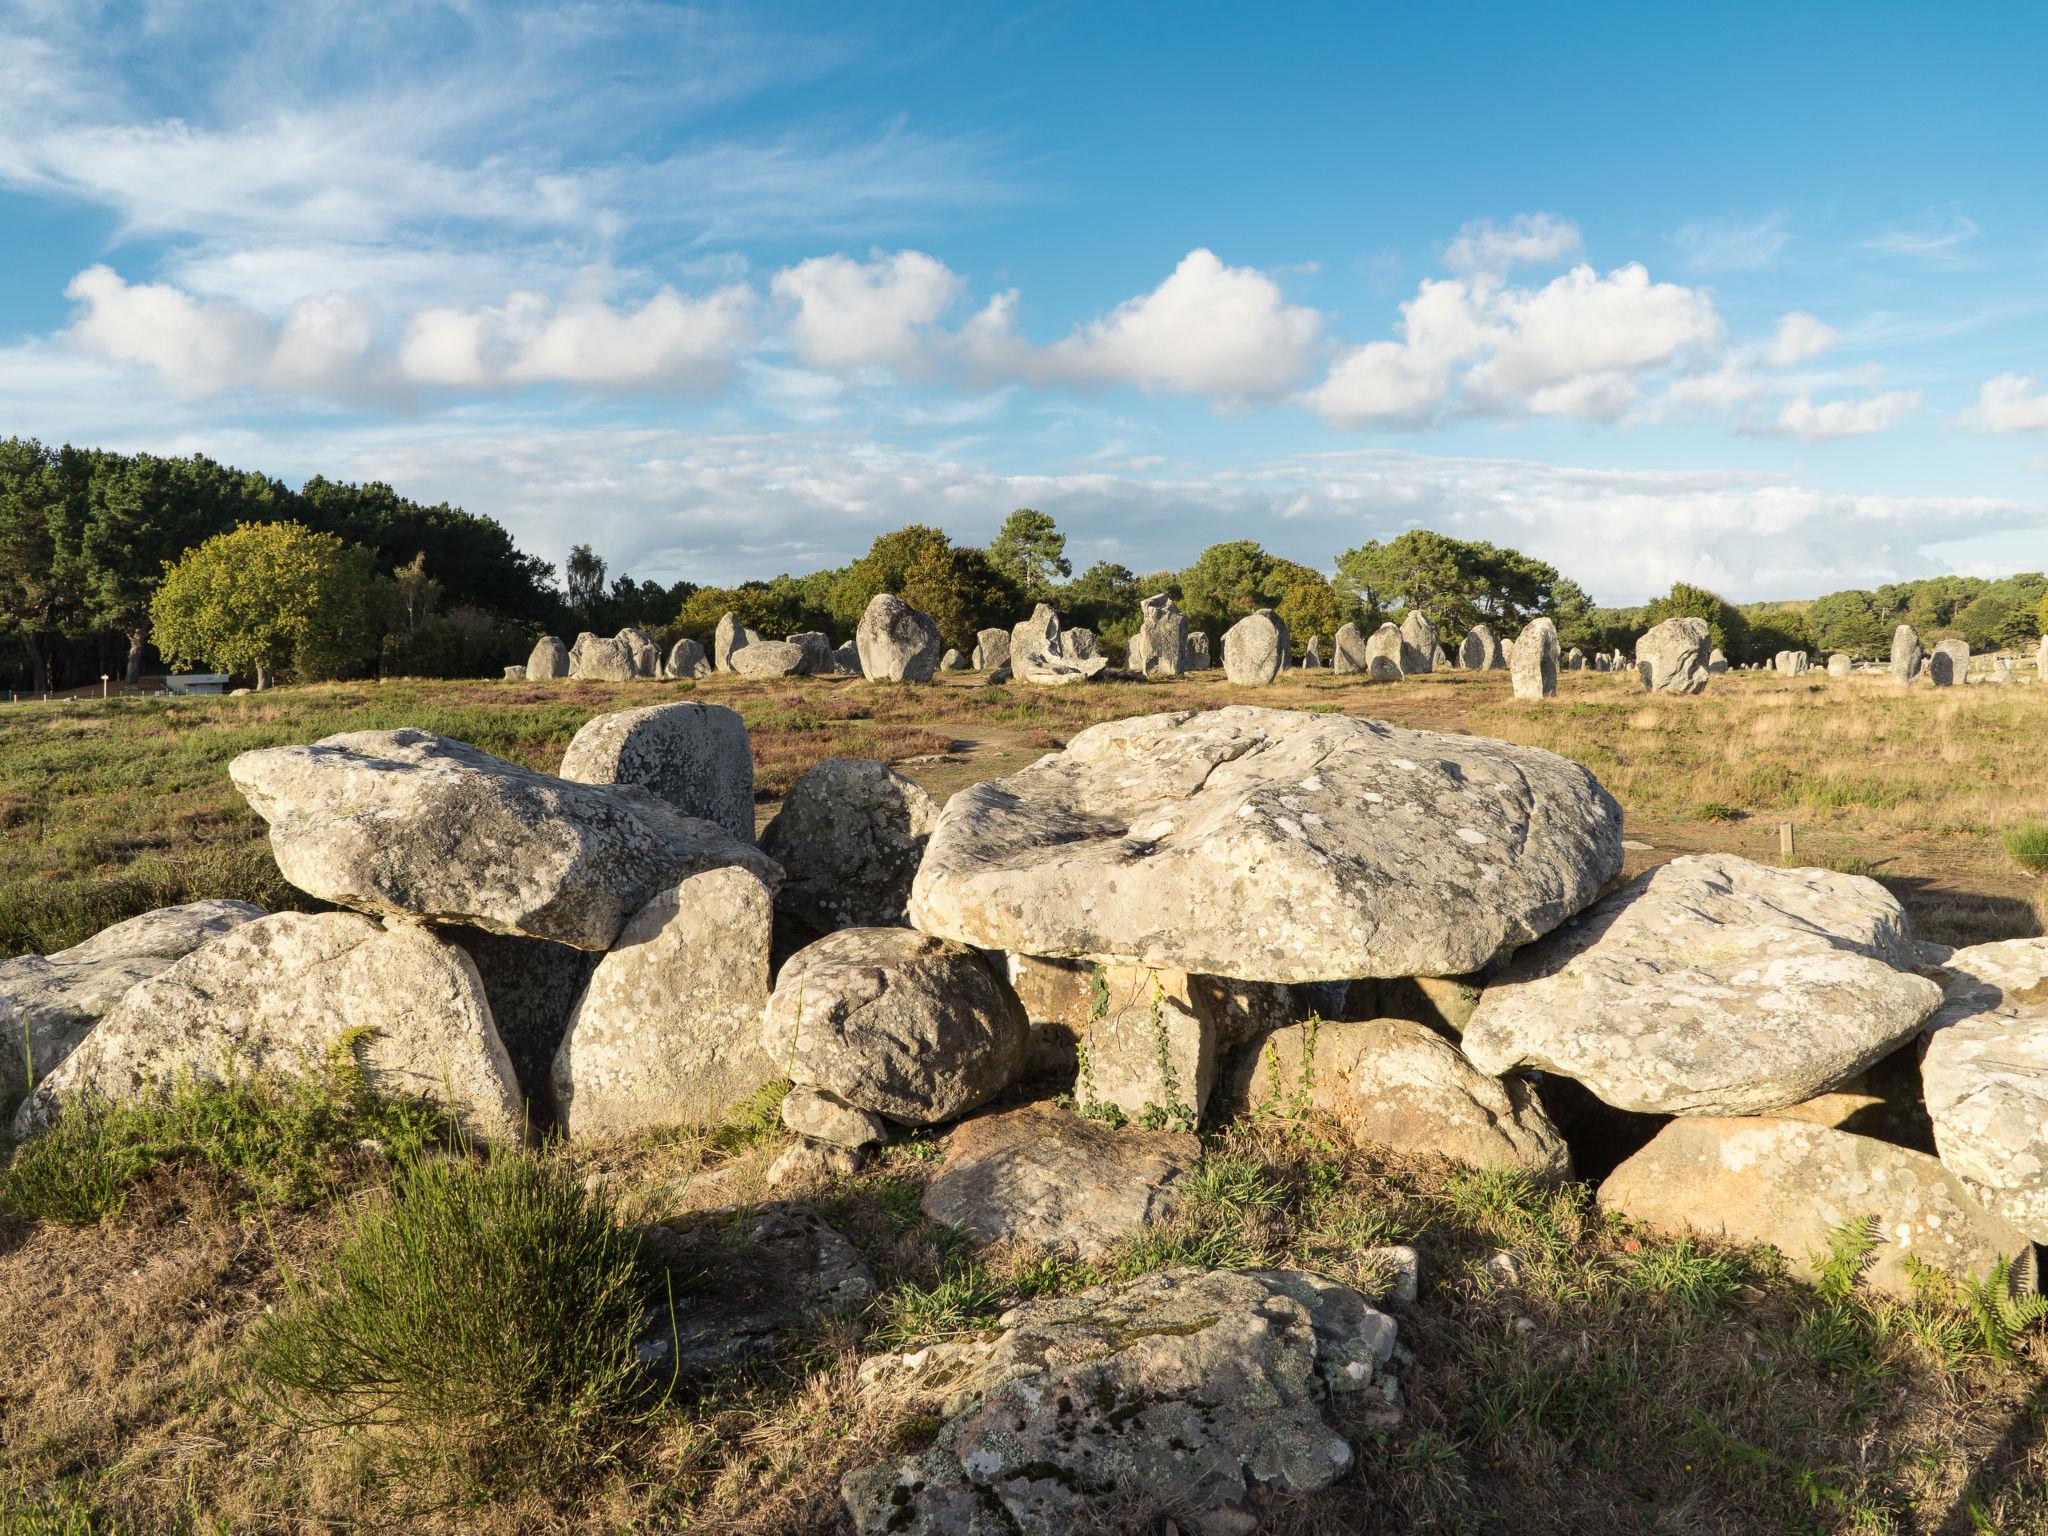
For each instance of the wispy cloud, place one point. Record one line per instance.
(1936, 239)
(1732, 245)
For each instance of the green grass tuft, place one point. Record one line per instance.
(2027, 846)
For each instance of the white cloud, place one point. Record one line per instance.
(670, 342)
(878, 313)
(1710, 245)
(2010, 403)
(1528, 239)
(1799, 338)
(1823, 421)
(1935, 239)
(1225, 333)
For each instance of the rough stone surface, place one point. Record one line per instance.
(1036, 639)
(912, 1028)
(1059, 671)
(1789, 1184)
(549, 660)
(1349, 656)
(1675, 657)
(48, 1003)
(1958, 653)
(1941, 669)
(1184, 1396)
(694, 758)
(991, 650)
(1312, 657)
(849, 838)
(1314, 845)
(279, 994)
(1255, 649)
(645, 654)
(1533, 673)
(820, 1116)
(413, 824)
(598, 659)
(667, 1033)
(952, 661)
(1418, 644)
(1840, 664)
(1716, 663)
(1711, 986)
(532, 986)
(1906, 654)
(1985, 1075)
(729, 636)
(1383, 655)
(1150, 1051)
(770, 658)
(1048, 1177)
(1198, 651)
(846, 660)
(1479, 651)
(1077, 644)
(897, 644)
(1159, 648)
(1393, 1083)
(686, 659)
(817, 649)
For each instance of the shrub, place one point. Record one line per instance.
(278, 1139)
(488, 1314)
(2028, 847)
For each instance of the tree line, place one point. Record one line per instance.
(114, 563)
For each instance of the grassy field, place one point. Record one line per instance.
(1616, 1381)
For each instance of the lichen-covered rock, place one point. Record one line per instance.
(849, 838)
(595, 658)
(1255, 649)
(897, 644)
(1383, 655)
(1673, 657)
(1077, 644)
(1479, 651)
(686, 659)
(1310, 845)
(694, 758)
(991, 650)
(48, 1003)
(1711, 986)
(1035, 639)
(1048, 1177)
(846, 660)
(1059, 672)
(1150, 1050)
(1534, 669)
(819, 1116)
(667, 1032)
(817, 649)
(1349, 656)
(640, 647)
(910, 1027)
(1159, 648)
(549, 660)
(1792, 1185)
(283, 994)
(1906, 654)
(1393, 1083)
(1183, 1395)
(1985, 1075)
(1418, 644)
(730, 635)
(415, 825)
(770, 658)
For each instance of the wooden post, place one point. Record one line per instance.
(1785, 840)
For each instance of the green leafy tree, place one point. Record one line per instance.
(583, 581)
(1774, 628)
(1457, 583)
(884, 568)
(2041, 616)
(43, 495)
(1851, 622)
(962, 591)
(472, 557)
(1105, 598)
(1725, 623)
(1032, 552)
(1313, 610)
(1226, 582)
(1575, 616)
(268, 596)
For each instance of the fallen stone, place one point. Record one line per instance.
(1255, 649)
(694, 758)
(849, 838)
(770, 658)
(897, 644)
(812, 1166)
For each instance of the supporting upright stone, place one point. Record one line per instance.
(550, 659)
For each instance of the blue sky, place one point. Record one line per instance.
(1729, 296)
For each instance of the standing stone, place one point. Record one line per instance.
(1535, 666)
(1199, 659)
(817, 649)
(730, 636)
(1151, 1050)
(1312, 658)
(1078, 644)
(645, 654)
(1674, 656)
(695, 758)
(1350, 656)
(1255, 649)
(1840, 665)
(1959, 652)
(952, 661)
(897, 644)
(2001, 669)
(1383, 655)
(846, 660)
(1575, 660)
(1941, 667)
(667, 1035)
(277, 993)
(550, 659)
(1906, 654)
(1716, 663)
(2041, 661)
(1440, 661)
(1036, 639)
(1418, 644)
(991, 650)
(912, 1028)
(849, 838)
(597, 659)
(1160, 646)
(686, 660)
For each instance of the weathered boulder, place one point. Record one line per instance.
(1349, 656)
(1198, 651)
(1393, 1083)
(1059, 671)
(686, 660)
(597, 659)
(1418, 644)
(285, 993)
(1985, 1076)
(1048, 1177)
(1077, 644)
(952, 661)
(897, 644)
(1314, 846)
(819, 1116)
(640, 647)
(1036, 639)
(1150, 1049)
(1674, 656)
(1159, 648)
(549, 660)
(48, 1003)
(991, 650)
(1791, 663)
(1958, 652)
(415, 825)
(1906, 654)
(1479, 651)
(694, 758)
(666, 1034)
(1255, 649)
(1383, 655)
(1791, 1185)
(1533, 673)
(849, 837)
(729, 636)
(770, 658)
(817, 649)
(1716, 663)
(1185, 1395)
(846, 660)
(1840, 664)
(913, 1028)
(1711, 986)
(515, 673)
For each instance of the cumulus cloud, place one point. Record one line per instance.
(1823, 421)
(1528, 239)
(2010, 403)
(1799, 338)
(858, 314)
(670, 342)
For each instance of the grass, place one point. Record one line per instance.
(2027, 846)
